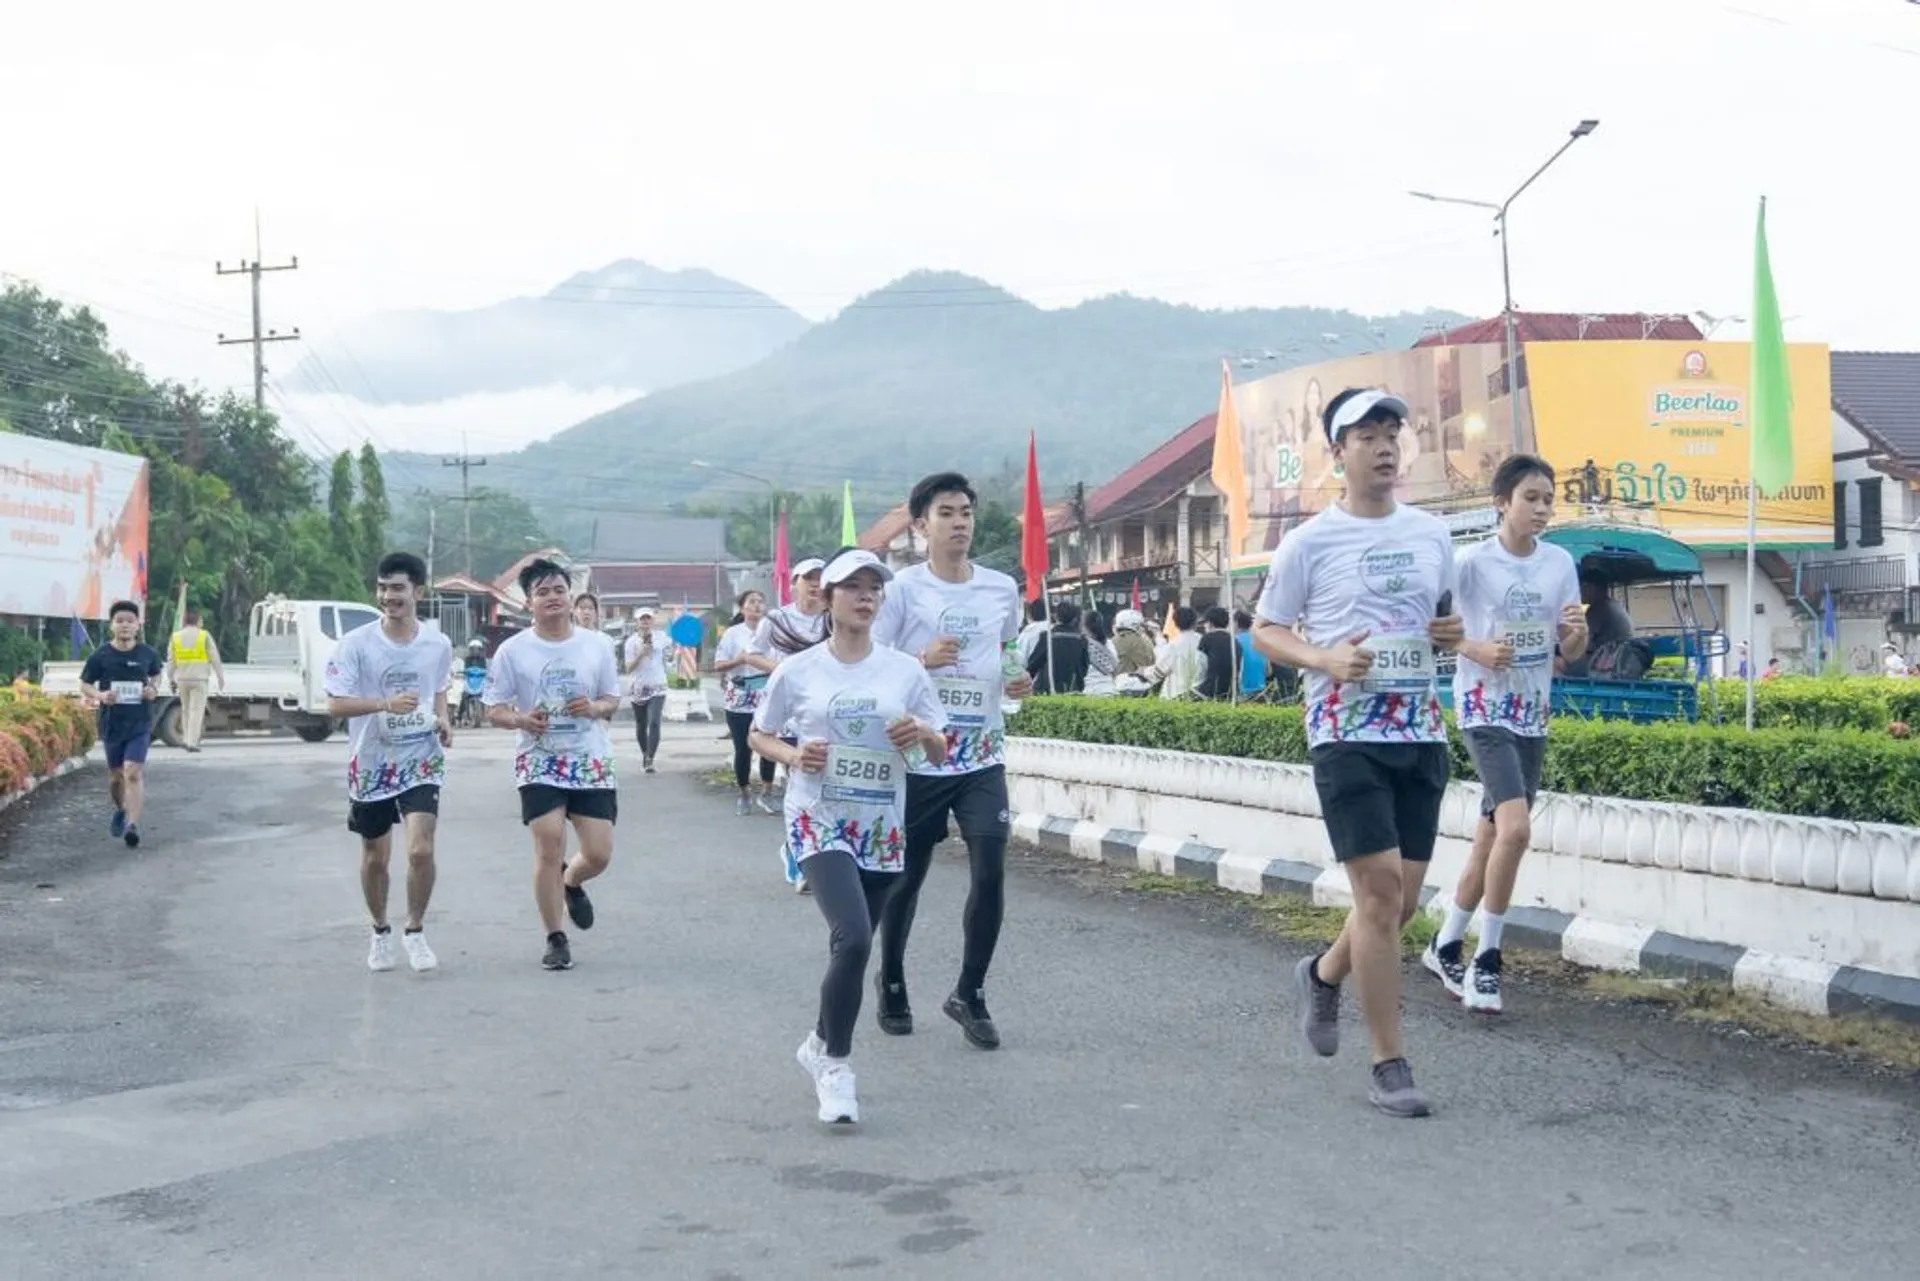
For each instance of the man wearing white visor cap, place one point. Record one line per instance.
(1359, 597)
(860, 712)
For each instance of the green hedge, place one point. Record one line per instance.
(1863, 776)
(1818, 702)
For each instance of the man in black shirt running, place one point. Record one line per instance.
(119, 681)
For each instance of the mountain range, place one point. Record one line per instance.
(627, 325)
(937, 369)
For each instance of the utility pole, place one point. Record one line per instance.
(466, 463)
(1080, 524)
(433, 526)
(259, 340)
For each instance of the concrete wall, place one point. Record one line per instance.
(1809, 895)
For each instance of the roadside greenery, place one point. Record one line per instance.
(1863, 775)
(37, 733)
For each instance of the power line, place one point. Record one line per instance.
(259, 340)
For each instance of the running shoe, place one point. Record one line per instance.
(971, 1014)
(132, 836)
(765, 804)
(742, 808)
(896, 1015)
(579, 906)
(833, 1082)
(1392, 1090)
(1319, 1009)
(419, 955)
(1481, 992)
(380, 954)
(117, 825)
(559, 956)
(647, 765)
(1446, 965)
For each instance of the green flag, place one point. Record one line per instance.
(1770, 400)
(849, 532)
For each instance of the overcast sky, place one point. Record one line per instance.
(1220, 152)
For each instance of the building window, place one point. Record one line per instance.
(1840, 516)
(1872, 534)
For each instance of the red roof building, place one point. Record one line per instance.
(1553, 326)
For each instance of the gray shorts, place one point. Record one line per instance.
(1509, 765)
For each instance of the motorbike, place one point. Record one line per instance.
(472, 714)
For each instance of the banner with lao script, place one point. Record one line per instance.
(73, 528)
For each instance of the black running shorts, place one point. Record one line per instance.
(977, 801)
(537, 799)
(1381, 796)
(371, 820)
(1509, 765)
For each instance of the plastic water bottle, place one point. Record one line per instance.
(1011, 669)
(914, 754)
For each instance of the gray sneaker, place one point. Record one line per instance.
(1393, 1091)
(1319, 1010)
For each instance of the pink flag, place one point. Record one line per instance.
(782, 564)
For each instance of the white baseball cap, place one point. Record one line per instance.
(645, 611)
(849, 563)
(811, 565)
(1355, 408)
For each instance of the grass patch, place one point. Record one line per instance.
(1291, 916)
(1156, 883)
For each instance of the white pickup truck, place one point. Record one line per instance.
(282, 683)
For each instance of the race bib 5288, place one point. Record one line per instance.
(862, 776)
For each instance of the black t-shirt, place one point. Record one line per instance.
(1220, 652)
(126, 718)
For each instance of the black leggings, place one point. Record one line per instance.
(646, 724)
(979, 924)
(851, 899)
(738, 723)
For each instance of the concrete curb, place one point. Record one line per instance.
(61, 770)
(1811, 987)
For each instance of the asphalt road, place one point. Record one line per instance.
(200, 1079)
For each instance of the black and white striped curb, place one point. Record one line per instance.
(1813, 986)
(61, 770)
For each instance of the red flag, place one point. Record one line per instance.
(1136, 596)
(1033, 528)
(782, 564)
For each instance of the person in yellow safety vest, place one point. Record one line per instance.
(191, 657)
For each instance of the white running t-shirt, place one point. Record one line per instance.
(1338, 574)
(741, 686)
(859, 803)
(529, 671)
(1516, 599)
(391, 752)
(984, 612)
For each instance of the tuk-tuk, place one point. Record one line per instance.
(1624, 556)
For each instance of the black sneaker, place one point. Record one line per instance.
(559, 956)
(132, 836)
(975, 1022)
(896, 1016)
(117, 825)
(579, 906)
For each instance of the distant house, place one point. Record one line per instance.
(892, 539)
(626, 587)
(657, 540)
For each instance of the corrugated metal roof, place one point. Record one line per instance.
(1879, 392)
(1149, 482)
(670, 584)
(1554, 326)
(686, 539)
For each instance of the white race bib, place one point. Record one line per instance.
(128, 691)
(559, 724)
(399, 727)
(1401, 664)
(863, 776)
(1532, 643)
(964, 699)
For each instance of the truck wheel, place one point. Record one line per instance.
(168, 728)
(314, 731)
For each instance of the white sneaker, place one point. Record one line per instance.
(766, 805)
(1480, 993)
(419, 955)
(380, 955)
(832, 1082)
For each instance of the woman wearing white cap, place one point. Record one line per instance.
(783, 633)
(647, 666)
(742, 681)
(855, 707)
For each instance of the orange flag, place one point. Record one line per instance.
(1229, 471)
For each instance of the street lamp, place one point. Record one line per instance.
(1578, 132)
(773, 503)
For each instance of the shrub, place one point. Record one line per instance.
(1815, 702)
(37, 733)
(1859, 775)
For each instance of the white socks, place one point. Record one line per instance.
(1490, 927)
(1455, 928)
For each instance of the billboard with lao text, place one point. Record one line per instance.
(1665, 426)
(1458, 430)
(73, 528)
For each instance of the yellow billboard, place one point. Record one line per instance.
(1665, 426)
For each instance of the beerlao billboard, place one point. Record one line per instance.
(73, 528)
(1458, 430)
(1666, 426)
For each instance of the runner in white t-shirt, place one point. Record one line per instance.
(1358, 599)
(855, 708)
(647, 684)
(388, 681)
(960, 620)
(557, 685)
(1520, 599)
(782, 633)
(741, 684)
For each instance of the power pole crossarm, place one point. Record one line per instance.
(466, 463)
(258, 339)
